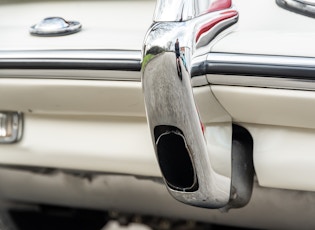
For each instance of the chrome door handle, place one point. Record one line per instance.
(181, 35)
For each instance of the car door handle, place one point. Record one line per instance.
(185, 145)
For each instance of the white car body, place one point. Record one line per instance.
(86, 141)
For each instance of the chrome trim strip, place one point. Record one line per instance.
(70, 74)
(261, 82)
(304, 7)
(257, 70)
(120, 60)
(307, 2)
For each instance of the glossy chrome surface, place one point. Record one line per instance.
(55, 26)
(282, 72)
(118, 65)
(183, 10)
(10, 127)
(261, 82)
(305, 7)
(169, 49)
(92, 54)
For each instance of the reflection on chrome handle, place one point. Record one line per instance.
(183, 10)
(183, 30)
(179, 142)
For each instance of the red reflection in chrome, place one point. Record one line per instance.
(202, 127)
(223, 16)
(219, 5)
